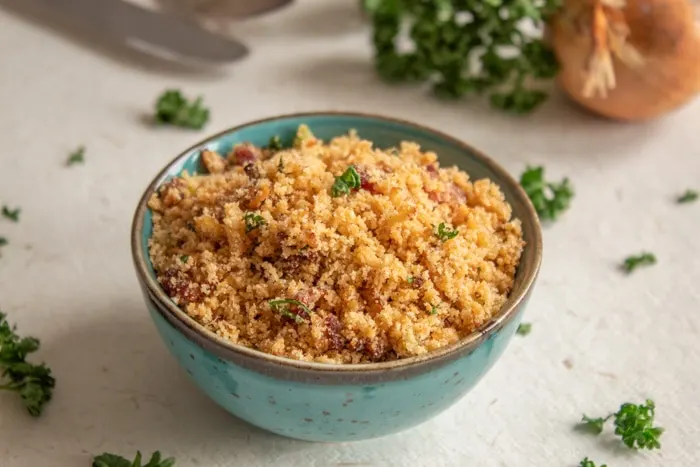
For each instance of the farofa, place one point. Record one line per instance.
(375, 280)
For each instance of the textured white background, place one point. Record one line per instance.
(67, 275)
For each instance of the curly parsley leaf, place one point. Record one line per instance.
(594, 425)
(549, 199)
(253, 221)
(687, 197)
(76, 157)
(635, 425)
(444, 233)
(275, 143)
(172, 108)
(292, 309)
(3, 241)
(589, 463)
(457, 46)
(33, 383)
(11, 214)
(113, 460)
(633, 262)
(347, 181)
(524, 329)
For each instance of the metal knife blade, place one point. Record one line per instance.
(152, 29)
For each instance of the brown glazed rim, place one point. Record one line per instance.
(228, 350)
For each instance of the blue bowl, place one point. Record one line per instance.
(328, 402)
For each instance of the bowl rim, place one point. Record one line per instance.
(227, 349)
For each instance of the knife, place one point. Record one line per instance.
(154, 30)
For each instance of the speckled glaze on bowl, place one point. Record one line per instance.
(324, 402)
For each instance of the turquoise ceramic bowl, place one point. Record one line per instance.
(324, 402)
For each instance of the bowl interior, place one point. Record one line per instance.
(383, 132)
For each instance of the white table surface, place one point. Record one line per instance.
(67, 277)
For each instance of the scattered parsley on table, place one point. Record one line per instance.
(549, 199)
(172, 108)
(11, 214)
(76, 157)
(589, 463)
(687, 197)
(633, 423)
(524, 329)
(448, 37)
(34, 383)
(113, 460)
(633, 262)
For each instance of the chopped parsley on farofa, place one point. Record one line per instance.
(323, 277)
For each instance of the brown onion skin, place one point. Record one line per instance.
(666, 35)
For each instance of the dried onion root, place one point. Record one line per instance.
(627, 59)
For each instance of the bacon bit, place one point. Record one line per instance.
(432, 170)
(366, 182)
(375, 349)
(251, 170)
(212, 161)
(418, 282)
(170, 192)
(259, 196)
(179, 286)
(309, 297)
(333, 328)
(245, 154)
(453, 195)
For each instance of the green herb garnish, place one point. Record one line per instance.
(184, 258)
(76, 157)
(275, 143)
(280, 165)
(33, 383)
(444, 233)
(589, 463)
(633, 262)
(410, 279)
(550, 199)
(253, 221)
(687, 197)
(3, 241)
(113, 460)
(594, 425)
(448, 37)
(172, 108)
(524, 329)
(283, 307)
(633, 423)
(11, 214)
(434, 309)
(349, 180)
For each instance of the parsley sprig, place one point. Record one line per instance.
(633, 262)
(447, 37)
(173, 108)
(633, 423)
(11, 214)
(275, 143)
(687, 197)
(113, 460)
(33, 383)
(589, 463)
(524, 329)
(444, 233)
(549, 199)
(284, 306)
(76, 157)
(253, 221)
(349, 180)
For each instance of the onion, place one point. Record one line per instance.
(627, 59)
